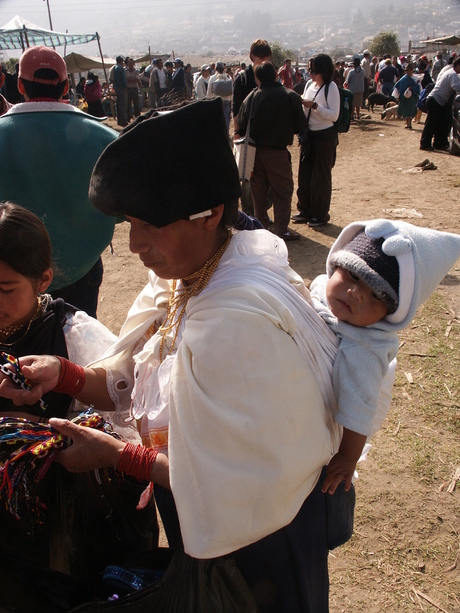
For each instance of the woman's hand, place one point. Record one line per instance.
(308, 103)
(93, 449)
(42, 371)
(90, 448)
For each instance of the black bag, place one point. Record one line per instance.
(304, 136)
(188, 586)
(346, 105)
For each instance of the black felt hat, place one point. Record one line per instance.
(168, 167)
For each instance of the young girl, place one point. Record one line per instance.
(30, 320)
(81, 525)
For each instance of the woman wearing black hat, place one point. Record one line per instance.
(215, 355)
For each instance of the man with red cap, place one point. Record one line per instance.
(50, 150)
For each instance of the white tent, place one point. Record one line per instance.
(82, 63)
(20, 34)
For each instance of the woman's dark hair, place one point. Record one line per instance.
(24, 242)
(356, 62)
(265, 72)
(260, 48)
(44, 90)
(230, 214)
(322, 64)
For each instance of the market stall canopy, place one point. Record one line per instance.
(82, 63)
(20, 33)
(148, 57)
(444, 40)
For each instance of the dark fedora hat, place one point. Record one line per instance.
(169, 167)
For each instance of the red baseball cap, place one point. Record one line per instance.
(35, 58)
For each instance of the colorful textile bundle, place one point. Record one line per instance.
(27, 450)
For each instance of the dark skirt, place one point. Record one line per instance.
(287, 571)
(95, 109)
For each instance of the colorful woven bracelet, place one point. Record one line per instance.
(72, 378)
(137, 461)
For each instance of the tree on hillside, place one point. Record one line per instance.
(10, 65)
(385, 42)
(279, 54)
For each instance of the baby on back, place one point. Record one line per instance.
(378, 273)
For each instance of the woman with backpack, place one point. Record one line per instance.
(321, 102)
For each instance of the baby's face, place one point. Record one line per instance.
(353, 301)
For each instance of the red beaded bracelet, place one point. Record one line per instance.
(137, 461)
(72, 378)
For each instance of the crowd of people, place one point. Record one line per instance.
(222, 337)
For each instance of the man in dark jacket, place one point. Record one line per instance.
(178, 80)
(276, 115)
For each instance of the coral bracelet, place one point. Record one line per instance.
(72, 378)
(137, 461)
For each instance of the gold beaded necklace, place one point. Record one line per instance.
(10, 330)
(179, 297)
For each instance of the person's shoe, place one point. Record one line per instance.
(429, 148)
(316, 223)
(290, 236)
(441, 148)
(299, 218)
(429, 166)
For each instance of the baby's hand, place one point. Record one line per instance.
(339, 469)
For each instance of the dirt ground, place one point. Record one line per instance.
(405, 552)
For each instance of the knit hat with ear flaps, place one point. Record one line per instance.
(363, 256)
(424, 257)
(168, 167)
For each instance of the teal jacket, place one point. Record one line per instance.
(48, 150)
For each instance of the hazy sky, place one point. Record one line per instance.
(107, 16)
(120, 18)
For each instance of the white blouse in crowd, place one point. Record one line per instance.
(328, 110)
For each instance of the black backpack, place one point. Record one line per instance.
(346, 105)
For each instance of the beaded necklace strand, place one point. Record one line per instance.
(10, 330)
(179, 297)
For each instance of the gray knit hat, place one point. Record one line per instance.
(363, 256)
